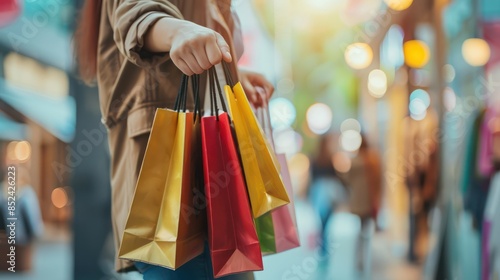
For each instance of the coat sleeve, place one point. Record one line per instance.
(131, 20)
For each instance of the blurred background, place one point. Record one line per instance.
(387, 111)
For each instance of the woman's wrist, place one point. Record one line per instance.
(162, 34)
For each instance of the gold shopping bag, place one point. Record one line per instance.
(163, 227)
(261, 167)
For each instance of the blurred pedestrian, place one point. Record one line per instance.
(327, 191)
(421, 177)
(364, 181)
(138, 50)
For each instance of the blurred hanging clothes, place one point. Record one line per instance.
(491, 230)
(479, 167)
(470, 162)
(490, 244)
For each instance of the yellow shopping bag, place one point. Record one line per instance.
(162, 228)
(262, 170)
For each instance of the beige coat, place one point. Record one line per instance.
(364, 182)
(133, 83)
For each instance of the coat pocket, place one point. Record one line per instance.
(140, 121)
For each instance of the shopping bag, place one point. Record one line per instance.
(160, 230)
(262, 172)
(265, 231)
(233, 243)
(284, 218)
(277, 230)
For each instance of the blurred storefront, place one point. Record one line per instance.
(34, 81)
(48, 124)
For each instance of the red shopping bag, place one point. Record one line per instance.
(233, 243)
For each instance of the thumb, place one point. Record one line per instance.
(224, 48)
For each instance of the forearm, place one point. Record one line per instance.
(160, 36)
(191, 47)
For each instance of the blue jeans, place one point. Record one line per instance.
(199, 268)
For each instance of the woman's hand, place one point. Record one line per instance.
(193, 48)
(257, 88)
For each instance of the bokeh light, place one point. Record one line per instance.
(417, 53)
(449, 73)
(319, 118)
(350, 124)
(476, 52)
(22, 151)
(282, 113)
(350, 140)
(11, 147)
(398, 5)
(358, 55)
(421, 95)
(449, 99)
(59, 197)
(287, 141)
(377, 83)
(418, 109)
(18, 151)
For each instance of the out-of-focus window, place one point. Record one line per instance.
(28, 74)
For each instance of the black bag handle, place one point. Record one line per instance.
(182, 95)
(213, 103)
(227, 74)
(216, 92)
(196, 96)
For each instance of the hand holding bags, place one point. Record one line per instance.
(234, 246)
(165, 227)
(264, 183)
(160, 229)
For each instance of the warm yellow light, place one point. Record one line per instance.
(358, 55)
(476, 51)
(377, 83)
(398, 5)
(11, 151)
(22, 151)
(59, 197)
(417, 53)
